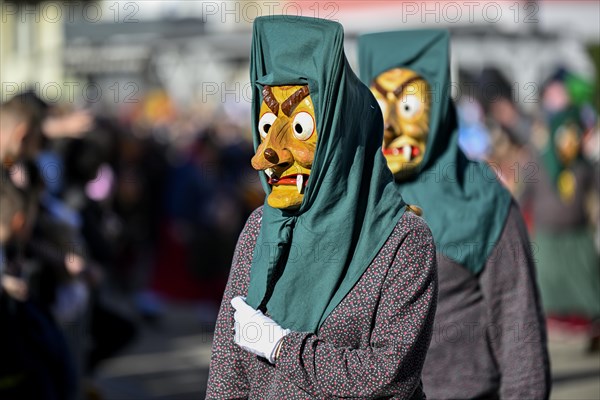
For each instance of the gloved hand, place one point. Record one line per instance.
(255, 332)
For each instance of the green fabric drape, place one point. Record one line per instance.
(306, 261)
(549, 153)
(463, 203)
(567, 272)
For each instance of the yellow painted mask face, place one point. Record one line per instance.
(287, 128)
(404, 99)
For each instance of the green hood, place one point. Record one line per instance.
(305, 262)
(463, 202)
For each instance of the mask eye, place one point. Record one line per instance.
(265, 123)
(303, 126)
(409, 106)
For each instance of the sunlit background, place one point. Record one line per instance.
(146, 148)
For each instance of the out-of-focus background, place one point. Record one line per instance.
(121, 206)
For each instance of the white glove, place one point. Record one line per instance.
(255, 332)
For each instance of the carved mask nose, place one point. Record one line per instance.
(271, 155)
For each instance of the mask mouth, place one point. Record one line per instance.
(298, 180)
(408, 151)
(405, 149)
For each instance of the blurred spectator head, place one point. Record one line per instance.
(564, 89)
(21, 126)
(555, 96)
(495, 95)
(13, 128)
(493, 87)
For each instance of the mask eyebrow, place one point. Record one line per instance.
(290, 104)
(270, 99)
(398, 91)
(379, 88)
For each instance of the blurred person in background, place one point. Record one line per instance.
(63, 250)
(138, 198)
(88, 189)
(12, 219)
(509, 130)
(35, 361)
(51, 253)
(473, 135)
(563, 199)
(486, 269)
(20, 138)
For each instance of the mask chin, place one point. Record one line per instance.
(285, 197)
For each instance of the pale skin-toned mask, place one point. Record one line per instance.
(404, 99)
(288, 134)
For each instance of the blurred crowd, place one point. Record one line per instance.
(147, 205)
(143, 207)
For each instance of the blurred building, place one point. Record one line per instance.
(31, 47)
(198, 50)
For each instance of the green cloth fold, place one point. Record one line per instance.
(463, 203)
(305, 262)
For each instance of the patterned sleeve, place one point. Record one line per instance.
(517, 330)
(391, 364)
(227, 377)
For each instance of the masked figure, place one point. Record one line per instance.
(332, 287)
(485, 266)
(568, 271)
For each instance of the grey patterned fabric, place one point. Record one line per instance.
(489, 336)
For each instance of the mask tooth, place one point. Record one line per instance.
(269, 172)
(300, 183)
(407, 152)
